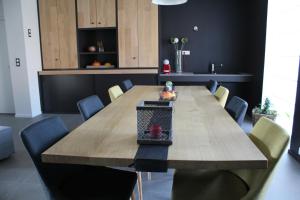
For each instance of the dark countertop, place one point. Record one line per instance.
(194, 77)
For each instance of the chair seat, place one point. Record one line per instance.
(207, 185)
(96, 183)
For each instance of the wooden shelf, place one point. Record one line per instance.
(98, 71)
(99, 28)
(98, 53)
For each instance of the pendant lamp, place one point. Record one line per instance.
(169, 2)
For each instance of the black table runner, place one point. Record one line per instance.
(151, 158)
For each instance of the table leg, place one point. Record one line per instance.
(149, 176)
(140, 185)
(132, 196)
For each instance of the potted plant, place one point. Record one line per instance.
(263, 111)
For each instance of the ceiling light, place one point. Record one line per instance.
(169, 2)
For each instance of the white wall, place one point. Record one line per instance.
(33, 51)
(6, 97)
(21, 15)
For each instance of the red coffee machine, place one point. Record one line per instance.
(166, 67)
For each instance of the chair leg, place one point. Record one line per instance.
(140, 185)
(149, 176)
(132, 196)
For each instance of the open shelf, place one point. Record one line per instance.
(87, 59)
(89, 37)
(97, 53)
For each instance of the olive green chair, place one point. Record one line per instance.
(115, 92)
(222, 95)
(244, 184)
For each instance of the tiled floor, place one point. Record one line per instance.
(20, 181)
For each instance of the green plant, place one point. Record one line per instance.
(265, 108)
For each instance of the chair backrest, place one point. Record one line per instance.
(115, 92)
(272, 140)
(222, 95)
(89, 106)
(127, 85)
(237, 108)
(41, 135)
(212, 86)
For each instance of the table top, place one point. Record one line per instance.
(204, 134)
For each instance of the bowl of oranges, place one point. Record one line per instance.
(168, 93)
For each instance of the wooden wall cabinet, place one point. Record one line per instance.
(148, 33)
(58, 34)
(138, 34)
(128, 33)
(96, 13)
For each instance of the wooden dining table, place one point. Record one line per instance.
(204, 135)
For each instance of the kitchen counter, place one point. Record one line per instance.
(193, 77)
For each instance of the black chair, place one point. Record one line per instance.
(237, 108)
(126, 85)
(73, 181)
(89, 106)
(212, 86)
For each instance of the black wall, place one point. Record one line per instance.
(227, 30)
(231, 32)
(295, 140)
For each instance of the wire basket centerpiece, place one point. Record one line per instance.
(154, 122)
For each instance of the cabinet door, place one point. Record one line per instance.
(148, 33)
(49, 33)
(128, 33)
(106, 13)
(67, 34)
(86, 13)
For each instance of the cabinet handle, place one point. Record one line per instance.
(56, 59)
(99, 22)
(92, 23)
(134, 58)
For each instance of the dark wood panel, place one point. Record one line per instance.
(61, 93)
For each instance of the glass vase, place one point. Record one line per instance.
(178, 61)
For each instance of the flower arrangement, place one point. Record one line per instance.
(178, 52)
(175, 41)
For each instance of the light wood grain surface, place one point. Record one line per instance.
(86, 13)
(128, 33)
(148, 33)
(96, 13)
(106, 13)
(48, 14)
(67, 34)
(58, 34)
(97, 71)
(205, 136)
